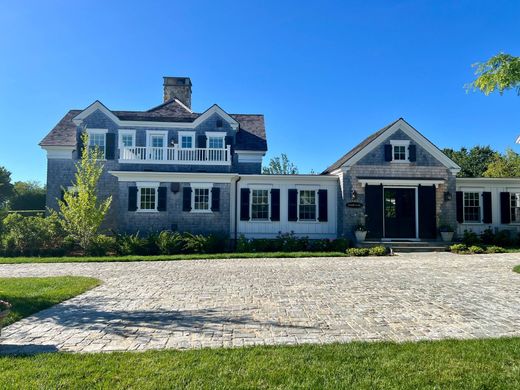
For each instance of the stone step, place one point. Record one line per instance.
(408, 246)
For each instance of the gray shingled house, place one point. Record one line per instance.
(171, 168)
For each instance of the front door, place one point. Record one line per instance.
(399, 213)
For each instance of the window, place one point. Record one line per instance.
(201, 199)
(260, 204)
(472, 207)
(126, 138)
(147, 198)
(307, 205)
(97, 141)
(399, 152)
(186, 139)
(215, 142)
(515, 207)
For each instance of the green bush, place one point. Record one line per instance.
(131, 244)
(357, 252)
(288, 242)
(503, 238)
(169, 243)
(102, 245)
(487, 237)
(470, 238)
(475, 249)
(459, 248)
(378, 251)
(495, 249)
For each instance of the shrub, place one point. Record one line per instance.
(487, 237)
(495, 249)
(475, 249)
(470, 238)
(378, 251)
(169, 243)
(503, 238)
(101, 245)
(131, 244)
(458, 248)
(357, 252)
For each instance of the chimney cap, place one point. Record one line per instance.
(170, 80)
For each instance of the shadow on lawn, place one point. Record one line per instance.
(26, 349)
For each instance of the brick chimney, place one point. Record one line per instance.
(178, 87)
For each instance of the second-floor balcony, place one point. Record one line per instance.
(175, 155)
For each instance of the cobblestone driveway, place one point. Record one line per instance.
(225, 303)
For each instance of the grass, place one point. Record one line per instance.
(94, 259)
(469, 364)
(517, 269)
(30, 295)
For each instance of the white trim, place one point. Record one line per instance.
(173, 177)
(401, 182)
(201, 186)
(190, 134)
(97, 105)
(216, 109)
(406, 144)
(316, 201)
(252, 188)
(59, 152)
(122, 132)
(216, 134)
(248, 156)
(140, 186)
(92, 131)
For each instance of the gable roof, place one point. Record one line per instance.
(250, 127)
(369, 143)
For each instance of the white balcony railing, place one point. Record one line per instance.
(175, 155)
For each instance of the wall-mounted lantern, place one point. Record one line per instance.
(447, 196)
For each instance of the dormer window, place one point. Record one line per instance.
(187, 139)
(400, 150)
(216, 140)
(97, 140)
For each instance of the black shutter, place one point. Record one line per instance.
(110, 146)
(215, 199)
(412, 153)
(486, 202)
(161, 198)
(427, 212)
(292, 210)
(459, 197)
(275, 204)
(505, 207)
(388, 152)
(80, 145)
(186, 199)
(132, 198)
(201, 141)
(374, 211)
(323, 206)
(244, 204)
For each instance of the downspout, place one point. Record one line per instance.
(236, 211)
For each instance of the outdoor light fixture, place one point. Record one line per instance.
(354, 194)
(447, 196)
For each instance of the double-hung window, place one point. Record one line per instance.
(97, 140)
(307, 205)
(186, 139)
(472, 206)
(216, 142)
(147, 199)
(515, 207)
(201, 199)
(259, 204)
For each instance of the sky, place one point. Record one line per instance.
(325, 74)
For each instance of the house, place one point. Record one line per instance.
(169, 168)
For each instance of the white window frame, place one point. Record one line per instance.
(216, 134)
(480, 203)
(316, 201)
(251, 189)
(123, 132)
(98, 131)
(151, 133)
(406, 144)
(512, 192)
(190, 134)
(152, 185)
(201, 186)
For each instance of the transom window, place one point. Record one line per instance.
(260, 204)
(215, 142)
(186, 141)
(399, 152)
(97, 141)
(307, 205)
(515, 207)
(201, 199)
(472, 207)
(147, 198)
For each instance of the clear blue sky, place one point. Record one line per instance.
(325, 74)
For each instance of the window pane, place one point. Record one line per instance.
(157, 141)
(186, 141)
(307, 205)
(147, 199)
(127, 140)
(216, 142)
(399, 152)
(260, 204)
(472, 207)
(97, 141)
(201, 199)
(515, 207)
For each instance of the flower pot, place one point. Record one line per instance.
(447, 236)
(360, 235)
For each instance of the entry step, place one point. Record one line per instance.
(408, 246)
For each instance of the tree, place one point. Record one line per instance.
(507, 165)
(501, 72)
(27, 195)
(6, 188)
(81, 211)
(473, 162)
(280, 166)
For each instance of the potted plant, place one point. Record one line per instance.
(360, 232)
(446, 233)
(4, 311)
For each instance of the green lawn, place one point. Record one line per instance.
(29, 295)
(473, 364)
(89, 259)
(517, 269)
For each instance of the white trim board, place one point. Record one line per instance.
(401, 182)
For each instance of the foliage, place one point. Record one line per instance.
(475, 249)
(506, 165)
(379, 250)
(81, 211)
(27, 195)
(101, 245)
(495, 249)
(501, 72)
(6, 187)
(280, 166)
(473, 162)
(357, 252)
(289, 242)
(470, 238)
(517, 269)
(458, 248)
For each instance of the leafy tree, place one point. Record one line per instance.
(473, 162)
(501, 72)
(81, 211)
(27, 195)
(507, 165)
(280, 166)
(6, 188)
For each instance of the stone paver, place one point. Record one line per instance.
(228, 303)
